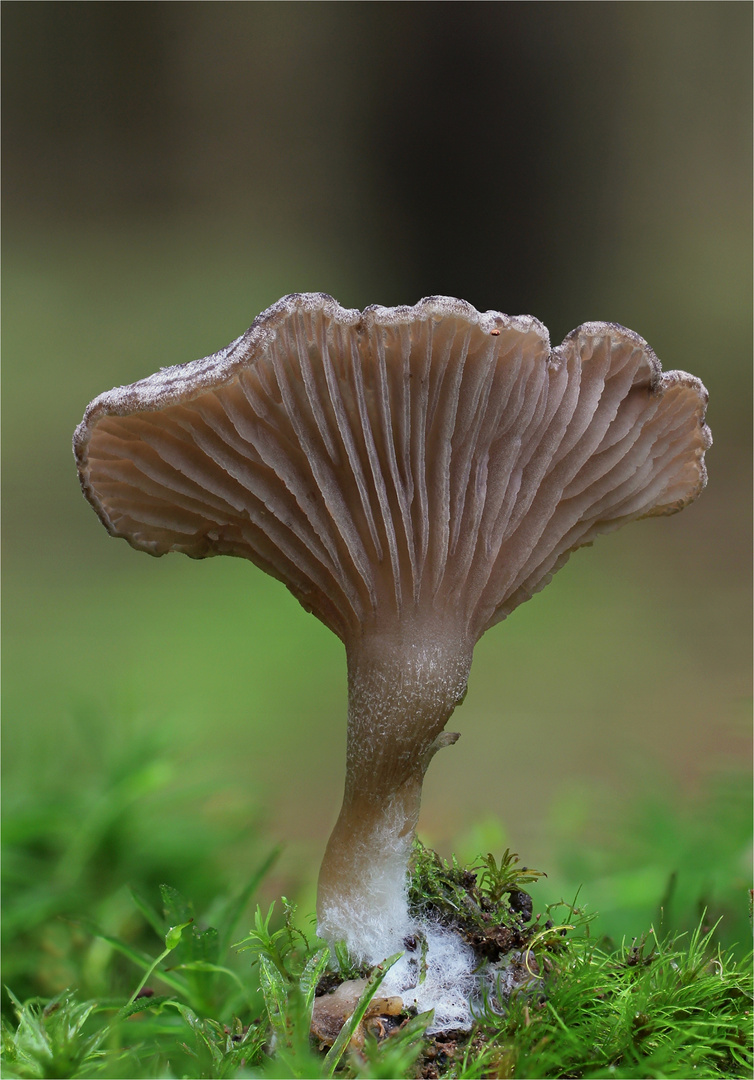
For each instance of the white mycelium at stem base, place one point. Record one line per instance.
(402, 689)
(412, 474)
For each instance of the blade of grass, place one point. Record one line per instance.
(142, 960)
(150, 913)
(312, 973)
(346, 1033)
(205, 965)
(233, 910)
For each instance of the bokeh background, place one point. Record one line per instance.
(171, 169)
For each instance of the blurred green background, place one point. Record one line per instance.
(170, 169)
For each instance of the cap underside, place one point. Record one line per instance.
(397, 461)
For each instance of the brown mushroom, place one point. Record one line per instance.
(412, 474)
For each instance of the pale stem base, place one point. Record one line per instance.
(401, 695)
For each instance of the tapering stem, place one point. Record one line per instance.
(403, 688)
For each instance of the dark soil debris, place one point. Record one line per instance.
(441, 1052)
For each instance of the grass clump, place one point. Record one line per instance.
(675, 1006)
(107, 981)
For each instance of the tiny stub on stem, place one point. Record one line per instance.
(445, 738)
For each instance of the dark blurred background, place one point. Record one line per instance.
(170, 169)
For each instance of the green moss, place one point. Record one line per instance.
(486, 903)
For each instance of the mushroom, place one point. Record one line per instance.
(412, 474)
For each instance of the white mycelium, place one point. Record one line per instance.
(448, 984)
(412, 474)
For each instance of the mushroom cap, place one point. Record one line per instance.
(399, 462)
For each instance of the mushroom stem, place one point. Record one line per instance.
(403, 688)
